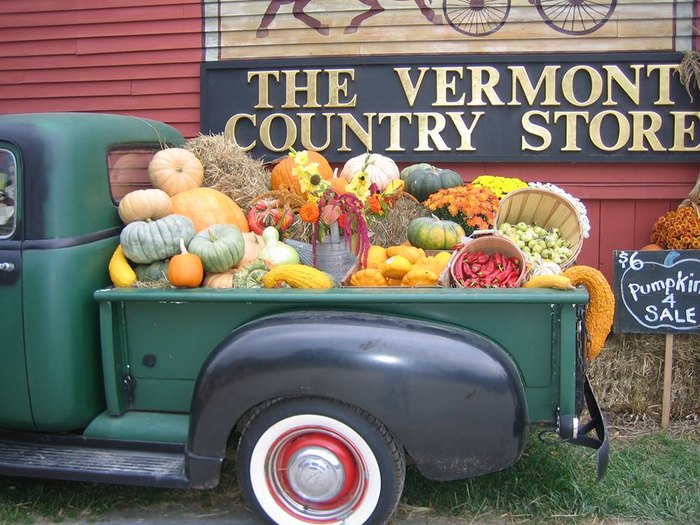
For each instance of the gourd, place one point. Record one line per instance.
(220, 247)
(434, 263)
(220, 280)
(140, 205)
(297, 276)
(375, 256)
(283, 178)
(380, 169)
(419, 277)
(250, 276)
(368, 277)
(156, 271)
(422, 180)
(149, 241)
(120, 272)
(275, 251)
(207, 206)
(601, 308)
(268, 212)
(395, 267)
(174, 170)
(409, 252)
(558, 282)
(431, 233)
(185, 269)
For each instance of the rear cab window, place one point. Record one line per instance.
(8, 193)
(128, 170)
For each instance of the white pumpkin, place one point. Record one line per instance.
(380, 169)
(141, 205)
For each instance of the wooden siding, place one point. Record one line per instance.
(113, 56)
(236, 29)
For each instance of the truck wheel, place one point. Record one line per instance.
(306, 461)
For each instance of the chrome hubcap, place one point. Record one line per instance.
(316, 474)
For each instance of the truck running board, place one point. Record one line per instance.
(104, 463)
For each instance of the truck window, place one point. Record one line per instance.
(8, 192)
(128, 170)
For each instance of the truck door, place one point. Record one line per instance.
(15, 411)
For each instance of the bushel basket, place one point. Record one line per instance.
(546, 209)
(490, 242)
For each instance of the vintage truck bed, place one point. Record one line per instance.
(155, 341)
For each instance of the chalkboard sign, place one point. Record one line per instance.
(657, 291)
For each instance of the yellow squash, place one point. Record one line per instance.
(296, 276)
(120, 271)
(559, 282)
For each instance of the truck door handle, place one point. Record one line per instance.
(7, 267)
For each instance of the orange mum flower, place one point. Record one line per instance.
(309, 212)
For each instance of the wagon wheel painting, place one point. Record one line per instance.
(575, 17)
(476, 17)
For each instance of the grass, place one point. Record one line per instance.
(652, 478)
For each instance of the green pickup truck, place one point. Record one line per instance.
(328, 393)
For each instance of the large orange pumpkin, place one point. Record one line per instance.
(207, 206)
(282, 177)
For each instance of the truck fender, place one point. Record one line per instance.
(452, 397)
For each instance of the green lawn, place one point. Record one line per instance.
(654, 478)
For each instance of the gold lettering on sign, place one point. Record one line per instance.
(409, 88)
(305, 122)
(338, 88)
(642, 132)
(664, 84)
(623, 130)
(631, 88)
(445, 78)
(291, 88)
(484, 82)
(289, 127)
(465, 132)
(347, 121)
(428, 132)
(395, 128)
(536, 130)
(567, 86)
(571, 118)
(230, 130)
(683, 129)
(263, 86)
(548, 78)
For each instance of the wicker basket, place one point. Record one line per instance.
(490, 242)
(545, 209)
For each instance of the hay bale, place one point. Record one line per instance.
(229, 169)
(628, 375)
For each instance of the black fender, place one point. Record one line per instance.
(453, 398)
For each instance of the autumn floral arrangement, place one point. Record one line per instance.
(472, 207)
(348, 210)
(501, 186)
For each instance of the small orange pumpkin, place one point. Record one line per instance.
(185, 269)
(650, 248)
(282, 177)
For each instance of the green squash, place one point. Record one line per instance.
(148, 241)
(422, 180)
(220, 247)
(156, 271)
(431, 233)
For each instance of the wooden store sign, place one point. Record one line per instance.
(592, 107)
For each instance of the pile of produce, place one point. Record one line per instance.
(216, 218)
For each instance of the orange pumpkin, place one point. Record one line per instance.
(650, 248)
(174, 170)
(282, 178)
(206, 207)
(185, 269)
(339, 183)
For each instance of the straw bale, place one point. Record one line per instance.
(628, 375)
(229, 169)
(390, 230)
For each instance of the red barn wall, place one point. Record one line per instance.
(116, 57)
(112, 56)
